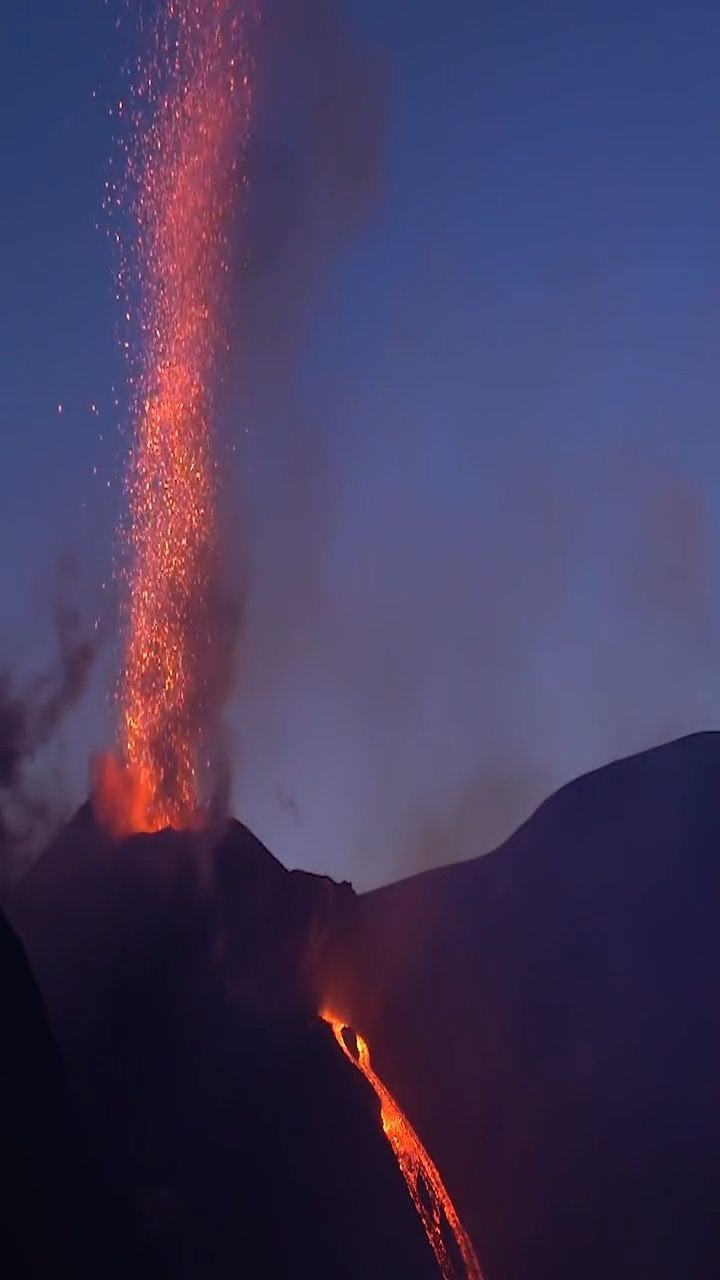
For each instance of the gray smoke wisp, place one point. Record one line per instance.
(446, 615)
(30, 717)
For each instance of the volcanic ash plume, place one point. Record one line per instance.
(190, 114)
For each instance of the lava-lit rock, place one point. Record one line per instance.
(546, 1016)
(549, 1016)
(226, 1133)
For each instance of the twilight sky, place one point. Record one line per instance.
(468, 431)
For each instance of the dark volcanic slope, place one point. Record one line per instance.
(44, 1202)
(546, 1015)
(226, 1133)
(549, 1016)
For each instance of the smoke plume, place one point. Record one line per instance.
(449, 612)
(30, 717)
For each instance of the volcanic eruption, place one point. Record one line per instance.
(180, 1098)
(190, 110)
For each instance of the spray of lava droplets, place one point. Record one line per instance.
(190, 114)
(427, 1189)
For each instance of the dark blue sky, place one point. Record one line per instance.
(475, 485)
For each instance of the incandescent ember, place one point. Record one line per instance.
(190, 114)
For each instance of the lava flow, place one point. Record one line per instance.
(427, 1190)
(190, 114)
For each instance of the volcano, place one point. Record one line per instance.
(224, 1132)
(546, 1016)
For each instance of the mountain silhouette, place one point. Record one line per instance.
(549, 1016)
(225, 1131)
(546, 1016)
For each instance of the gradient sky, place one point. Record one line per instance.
(475, 485)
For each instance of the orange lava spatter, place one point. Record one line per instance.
(427, 1190)
(189, 113)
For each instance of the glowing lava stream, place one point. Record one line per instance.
(426, 1187)
(190, 114)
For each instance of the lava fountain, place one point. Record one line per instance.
(427, 1189)
(190, 112)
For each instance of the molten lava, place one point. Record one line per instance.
(427, 1190)
(190, 113)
